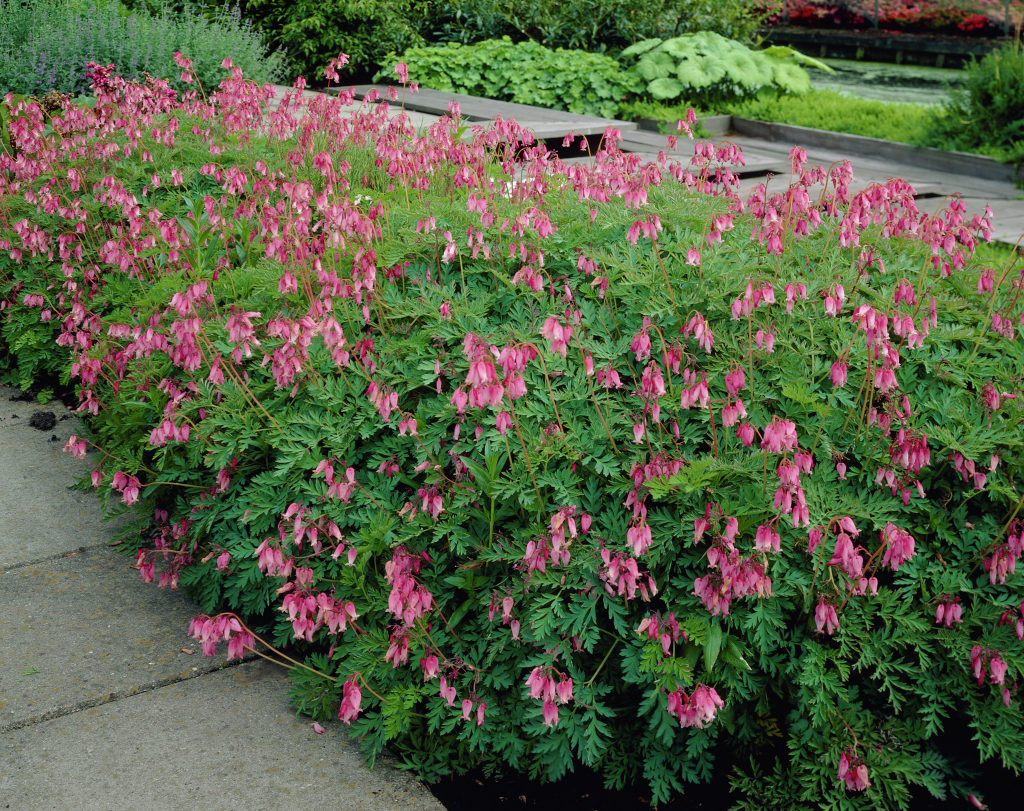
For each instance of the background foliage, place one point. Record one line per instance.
(315, 31)
(46, 44)
(987, 113)
(524, 72)
(594, 25)
(709, 69)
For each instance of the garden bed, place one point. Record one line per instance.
(523, 465)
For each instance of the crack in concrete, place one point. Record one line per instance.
(68, 553)
(110, 698)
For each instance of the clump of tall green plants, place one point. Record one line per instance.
(46, 44)
(533, 464)
(987, 112)
(592, 25)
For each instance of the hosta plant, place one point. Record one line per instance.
(708, 68)
(526, 464)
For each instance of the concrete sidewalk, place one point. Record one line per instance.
(105, 703)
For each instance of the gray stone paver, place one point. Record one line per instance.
(34, 497)
(226, 740)
(93, 631)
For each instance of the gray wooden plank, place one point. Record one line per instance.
(475, 108)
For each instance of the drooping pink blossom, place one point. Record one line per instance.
(351, 698)
(825, 618)
(853, 771)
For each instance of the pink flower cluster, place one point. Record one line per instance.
(1003, 559)
(543, 685)
(622, 576)
(985, 662)
(697, 709)
(224, 627)
(309, 612)
(554, 547)
(853, 771)
(664, 629)
(948, 611)
(899, 546)
(825, 618)
(1014, 617)
(507, 603)
(732, 574)
(351, 698)
(409, 600)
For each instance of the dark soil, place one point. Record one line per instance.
(581, 791)
(23, 396)
(43, 420)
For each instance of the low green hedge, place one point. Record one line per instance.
(523, 72)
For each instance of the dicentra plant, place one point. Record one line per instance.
(530, 463)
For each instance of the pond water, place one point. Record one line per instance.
(885, 81)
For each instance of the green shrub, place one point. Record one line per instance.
(592, 25)
(524, 72)
(540, 464)
(46, 44)
(315, 31)
(709, 69)
(987, 112)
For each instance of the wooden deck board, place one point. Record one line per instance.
(476, 109)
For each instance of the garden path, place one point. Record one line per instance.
(105, 702)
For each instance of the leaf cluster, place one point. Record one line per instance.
(523, 72)
(46, 44)
(706, 68)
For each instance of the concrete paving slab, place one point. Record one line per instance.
(34, 476)
(543, 129)
(226, 740)
(80, 630)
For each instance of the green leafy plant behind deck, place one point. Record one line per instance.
(316, 31)
(592, 25)
(987, 113)
(524, 72)
(706, 68)
(532, 464)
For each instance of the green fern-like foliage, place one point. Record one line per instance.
(708, 69)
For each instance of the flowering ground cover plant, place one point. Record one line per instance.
(523, 463)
